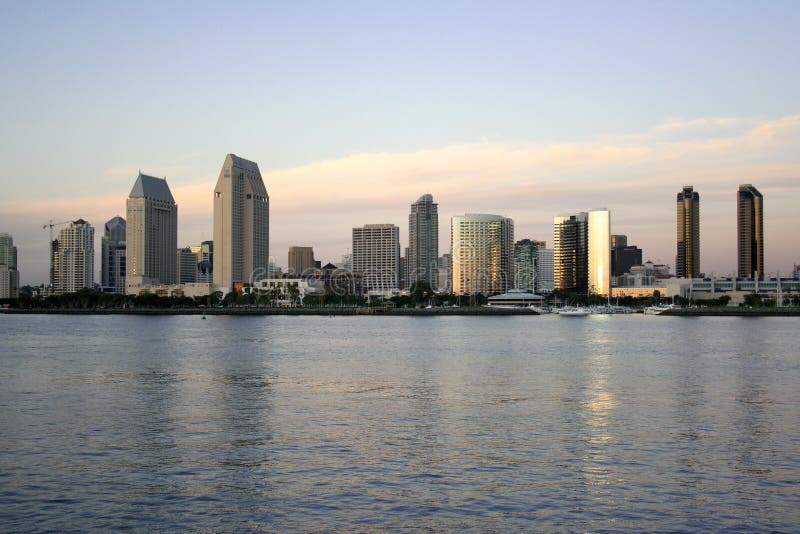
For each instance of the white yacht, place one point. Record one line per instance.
(574, 312)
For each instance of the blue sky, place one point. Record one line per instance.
(92, 92)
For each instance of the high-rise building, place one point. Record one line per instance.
(186, 261)
(112, 256)
(376, 255)
(445, 266)
(74, 258)
(525, 264)
(623, 256)
(750, 231)
(599, 251)
(241, 223)
(151, 233)
(205, 265)
(9, 282)
(301, 260)
(8, 252)
(423, 242)
(687, 261)
(570, 253)
(544, 270)
(482, 248)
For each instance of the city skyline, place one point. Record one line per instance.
(351, 117)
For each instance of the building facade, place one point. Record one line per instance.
(9, 275)
(301, 260)
(599, 251)
(544, 270)
(750, 231)
(570, 257)
(74, 259)
(241, 224)
(525, 256)
(482, 247)
(423, 242)
(186, 261)
(687, 260)
(112, 256)
(8, 252)
(376, 256)
(151, 233)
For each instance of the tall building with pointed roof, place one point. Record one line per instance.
(750, 231)
(687, 260)
(241, 223)
(151, 234)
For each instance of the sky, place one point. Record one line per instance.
(355, 109)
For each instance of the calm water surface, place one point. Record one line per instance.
(371, 423)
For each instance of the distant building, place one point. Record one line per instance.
(241, 224)
(623, 258)
(187, 266)
(445, 266)
(423, 242)
(112, 256)
(347, 261)
(525, 256)
(9, 282)
(796, 271)
(482, 248)
(648, 274)
(570, 254)
(599, 251)
(205, 264)
(750, 231)
(301, 259)
(74, 258)
(687, 261)
(404, 282)
(151, 233)
(776, 289)
(8, 252)
(376, 255)
(9, 275)
(544, 270)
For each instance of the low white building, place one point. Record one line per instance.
(141, 285)
(778, 289)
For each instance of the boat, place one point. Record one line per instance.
(574, 312)
(658, 309)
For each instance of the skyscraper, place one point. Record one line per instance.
(8, 252)
(687, 261)
(74, 259)
(423, 242)
(301, 259)
(525, 264)
(750, 231)
(623, 256)
(570, 254)
(112, 256)
(186, 260)
(482, 248)
(599, 251)
(9, 276)
(151, 233)
(376, 255)
(241, 223)
(544, 270)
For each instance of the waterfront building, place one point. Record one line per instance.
(143, 286)
(445, 266)
(187, 265)
(525, 257)
(423, 242)
(112, 256)
(623, 256)
(518, 298)
(404, 275)
(570, 253)
(205, 263)
(687, 261)
(796, 271)
(750, 231)
(241, 224)
(780, 290)
(599, 251)
(151, 233)
(74, 258)
(8, 252)
(301, 259)
(482, 248)
(9, 282)
(376, 255)
(544, 270)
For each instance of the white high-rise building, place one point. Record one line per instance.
(376, 255)
(599, 251)
(241, 224)
(9, 282)
(423, 242)
(8, 252)
(151, 234)
(74, 258)
(482, 253)
(544, 270)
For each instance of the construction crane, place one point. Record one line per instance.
(51, 225)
